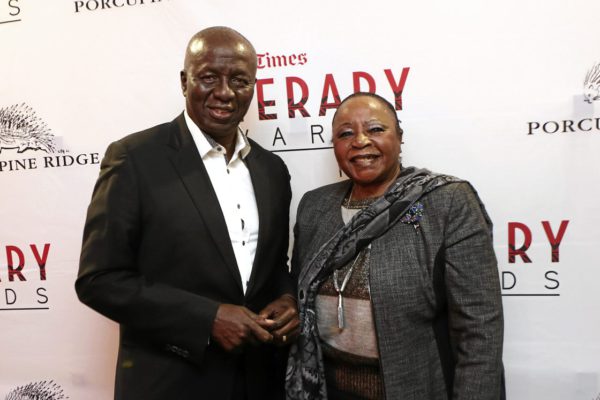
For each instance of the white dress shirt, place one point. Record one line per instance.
(233, 186)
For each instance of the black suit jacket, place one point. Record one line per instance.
(157, 258)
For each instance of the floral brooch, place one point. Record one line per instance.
(413, 215)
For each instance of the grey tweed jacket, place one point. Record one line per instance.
(435, 293)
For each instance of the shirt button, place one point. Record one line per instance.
(227, 170)
(238, 206)
(243, 243)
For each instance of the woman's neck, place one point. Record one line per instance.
(361, 192)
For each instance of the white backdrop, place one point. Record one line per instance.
(494, 93)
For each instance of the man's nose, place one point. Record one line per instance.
(223, 90)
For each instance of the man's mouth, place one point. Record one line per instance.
(220, 113)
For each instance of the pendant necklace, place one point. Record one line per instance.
(349, 204)
(340, 291)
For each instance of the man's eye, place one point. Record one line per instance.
(344, 134)
(208, 79)
(239, 82)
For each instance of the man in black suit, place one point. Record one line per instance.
(185, 243)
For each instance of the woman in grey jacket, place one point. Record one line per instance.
(397, 279)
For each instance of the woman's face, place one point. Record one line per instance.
(366, 143)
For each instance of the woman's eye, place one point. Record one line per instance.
(376, 129)
(344, 134)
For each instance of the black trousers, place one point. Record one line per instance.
(240, 391)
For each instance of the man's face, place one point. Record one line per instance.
(218, 84)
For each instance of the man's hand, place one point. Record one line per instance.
(236, 326)
(282, 314)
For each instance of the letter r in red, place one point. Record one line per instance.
(299, 106)
(512, 248)
(12, 271)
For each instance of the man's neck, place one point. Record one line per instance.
(228, 143)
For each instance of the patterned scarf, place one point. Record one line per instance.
(305, 376)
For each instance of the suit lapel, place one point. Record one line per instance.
(188, 164)
(259, 174)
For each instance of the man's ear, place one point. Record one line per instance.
(183, 79)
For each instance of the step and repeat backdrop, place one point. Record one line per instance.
(505, 94)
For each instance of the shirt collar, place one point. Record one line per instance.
(205, 143)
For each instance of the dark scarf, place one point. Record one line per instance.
(305, 377)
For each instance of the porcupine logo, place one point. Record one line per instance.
(591, 85)
(44, 390)
(22, 129)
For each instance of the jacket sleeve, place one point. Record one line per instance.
(474, 300)
(109, 279)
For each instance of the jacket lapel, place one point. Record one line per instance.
(330, 219)
(259, 174)
(188, 164)
(330, 204)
